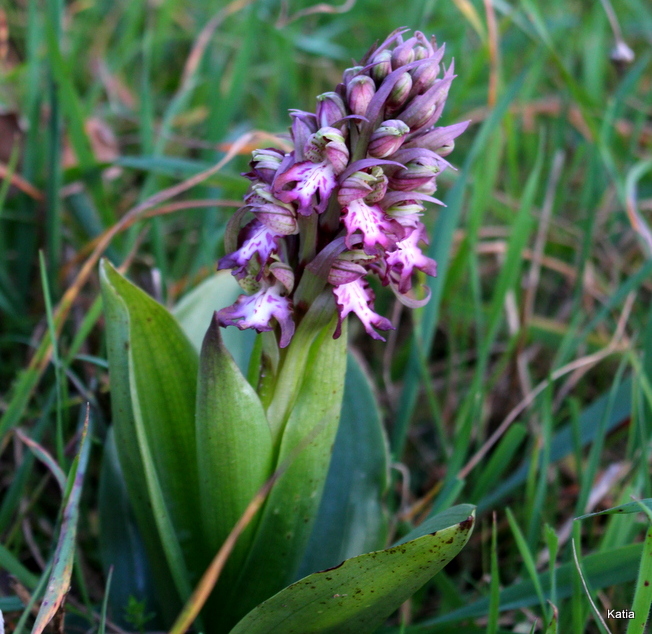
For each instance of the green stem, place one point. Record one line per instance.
(293, 365)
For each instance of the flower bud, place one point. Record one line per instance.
(302, 128)
(281, 219)
(420, 109)
(400, 92)
(284, 274)
(327, 143)
(382, 65)
(429, 187)
(420, 52)
(423, 77)
(378, 186)
(416, 173)
(387, 138)
(350, 73)
(356, 186)
(406, 212)
(439, 140)
(265, 162)
(403, 53)
(359, 92)
(330, 108)
(344, 271)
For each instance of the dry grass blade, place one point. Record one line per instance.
(494, 53)
(597, 614)
(20, 183)
(209, 579)
(44, 456)
(284, 19)
(64, 554)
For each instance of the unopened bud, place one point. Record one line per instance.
(284, 274)
(438, 140)
(416, 173)
(421, 109)
(401, 91)
(265, 162)
(423, 77)
(359, 92)
(388, 138)
(403, 54)
(281, 219)
(428, 188)
(378, 186)
(330, 108)
(356, 186)
(382, 65)
(404, 209)
(350, 73)
(420, 52)
(344, 271)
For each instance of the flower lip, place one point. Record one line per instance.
(357, 297)
(256, 311)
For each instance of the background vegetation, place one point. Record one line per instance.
(524, 384)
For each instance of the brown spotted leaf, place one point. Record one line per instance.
(358, 595)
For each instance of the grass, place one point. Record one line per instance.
(524, 382)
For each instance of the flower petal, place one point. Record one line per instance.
(372, 222)
(257, 311)
(356, 297)
(408, 256)
(258, 240)
(302, 181)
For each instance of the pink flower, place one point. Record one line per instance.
(346, 202)
(256, 311)
(259, 241)
(408, 256)
(376, 227)
(358, 298)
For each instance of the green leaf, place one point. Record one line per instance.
(630, 507)
(234, 449)
(122, 548)
(195, 310)
(64, 553)
(305, 449)
(352, 519)
(358, 595)
(153, 370)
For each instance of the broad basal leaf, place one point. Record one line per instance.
(352, 519)
(234, 448)
(153, 372)
(358, 595)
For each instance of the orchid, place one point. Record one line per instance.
(361, 168)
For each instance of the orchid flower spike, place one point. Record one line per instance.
(345, 204)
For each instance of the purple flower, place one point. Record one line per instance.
(356, 297)
(259, 242)
(406, 257)
(371, 221)
(256, 311)
(346, 203)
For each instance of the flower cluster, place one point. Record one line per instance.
(347, 201)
